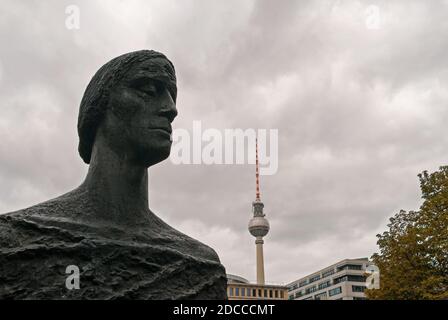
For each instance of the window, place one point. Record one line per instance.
(259, 293)
(254, 292)
(243, 292)
(334, 291)
(237, 292)
(327, 273)
(248, 291)
(353, 278)
(350, 267)
(303, 283)
(270, 294)
(310, 290)
(324, 285)
(281, 294)
(299, 294)
(276, 294)
(265, 293)
(315, 278)
(321, 296)
(340, 279)
(230, 291)
(294, 286)
(291, 297)
(356, 278)
(358, 288)
(354, 267)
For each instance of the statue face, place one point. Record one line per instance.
(137, 124)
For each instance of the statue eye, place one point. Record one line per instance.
(148, 86)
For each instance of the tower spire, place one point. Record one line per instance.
(257, 173)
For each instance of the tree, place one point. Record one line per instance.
(413, 253)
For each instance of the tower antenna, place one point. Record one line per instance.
(257, 172)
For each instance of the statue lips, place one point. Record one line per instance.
(164, 130)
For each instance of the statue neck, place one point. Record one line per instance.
(117, 189)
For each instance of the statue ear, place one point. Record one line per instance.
(89, 119)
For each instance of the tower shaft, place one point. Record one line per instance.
(260, 260)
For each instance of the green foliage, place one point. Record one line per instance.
(413, 253)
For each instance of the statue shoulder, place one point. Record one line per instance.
(187, 244)
(62, 205)
(25, 225)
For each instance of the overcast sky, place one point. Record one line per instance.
(357, 90)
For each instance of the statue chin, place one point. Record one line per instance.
(148, 148)
(154, 154)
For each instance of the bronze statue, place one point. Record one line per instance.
(105, 227)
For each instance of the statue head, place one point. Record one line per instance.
(131, 100)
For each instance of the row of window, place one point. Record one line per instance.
(332, 292)
(353, 278)
(320, 296)
(350, 267)
(328, 283)
(327, 273)
(358, 288)
(303, 283)
(324, 285)
(251, 292)
(335, 291)
(315, 278)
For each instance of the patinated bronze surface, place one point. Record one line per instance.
(105, 227)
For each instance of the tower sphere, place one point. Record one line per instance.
(258, 226)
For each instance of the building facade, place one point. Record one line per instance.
(344, 280)
(239, 288)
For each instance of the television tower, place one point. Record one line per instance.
(258, 225)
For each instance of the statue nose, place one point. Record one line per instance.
(168, 111)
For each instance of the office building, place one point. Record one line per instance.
(344, 280)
